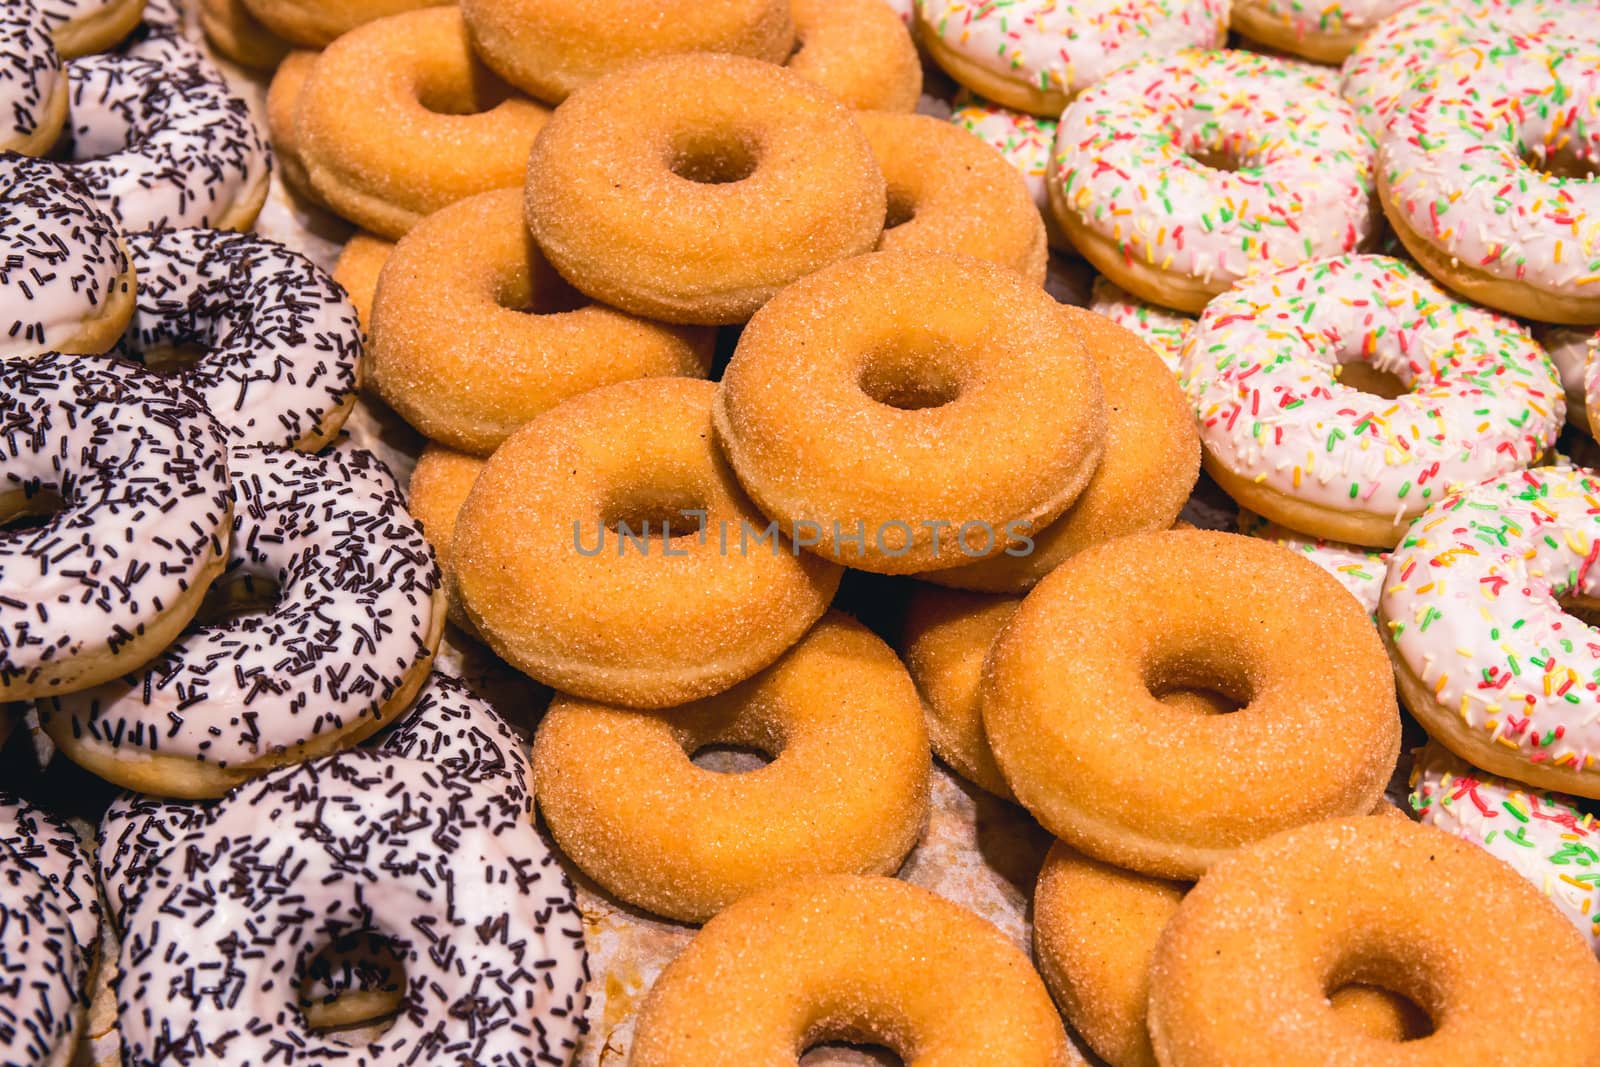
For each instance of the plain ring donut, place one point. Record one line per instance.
(1072, 708)
(858, 50)
(749, 176)
(439, 486)
(775, 974)
(318, 23)
(846, 791)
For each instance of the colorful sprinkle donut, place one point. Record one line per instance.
(1161, 328)
(1485, 653)
(66, 283)
(345, 644)
(1176, 177)
(136, 461)
(33, 87)
(1320, 32)
(475, 907)
(82, 27)
(1036, 55)
(1485, 172)
(1287, 439)
(166, 144)
(1569, 348)
(1023, 139)
(1551, 839)
(1358, 569)
(282, 343)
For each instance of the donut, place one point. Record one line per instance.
(846, 957)
(439, 486)
(845, 791)
(1024, 140)
(49, 845)
(552, 48)
(102, 456)
(238, 35)
(1518, 234)
(1146, 473)
(165, 144)
(858, 50)
(1568, 348)
(82, 27)
(1177, 177)
(66, 283)
(950, 193)
(433, 127)
(750, 175)
(1036, 55)
(1459, 394)
(1321, 33)
(880, 455)
(1095, 930)
(281, 344)
(1071, 701)
(607, 551)
(1161, 328)
(466, 300)
(33, 86)
(352, 616)
(357, 269)
(1549, 838)
(1360, 570)
(475, 909)
(283, 99)
(1411, 41)
(317, 23)
(1241, 973)
(1487, 656)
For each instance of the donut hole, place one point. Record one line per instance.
(913, 376)
(1363, 377)
(21, 511)
(537, 291)
(713, 157)
(1198, 683)
(353, 987)
(642, 513)
(724, 758)
(1365, 998)
(1397, 995)
(902, 209)
(1567, 161)
(850, 1054)
(481, 92)
(172, 359)
(235, 597)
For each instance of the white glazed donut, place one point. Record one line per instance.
(1323, 32)
(66, 283)
(1161, 328)
(106, 581)
(1036, 55)
(474, 904)
(1286, 438)
(282, 341)
(344, 646)
(1486, 654)
(163, 143)
(33, 86)
(1358, 569)
(1569, 348)
(49, 845)
(134, 833)
(1552, 840)
(1134, 186)
(1518, 234)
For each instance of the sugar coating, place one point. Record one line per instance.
(283, 99)
(1024, 140)
(439, 486)
(1359, 569)
(858, 51)
(357, 269)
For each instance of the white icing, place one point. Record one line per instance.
(1568, 348)
(42, 1013)
(1023, 139)
(30, 70)
(1317, 18)
(1161, 328)
(1358, 569)
(51, 847)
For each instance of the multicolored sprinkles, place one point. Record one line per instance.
(1358, 569)
(1161, 328)
(1023, 139)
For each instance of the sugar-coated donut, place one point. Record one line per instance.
(434, 126)
(751, 177)
(238, 35)
(33, 85)
(357, 269)
(948, 192)
(1550, 838)
(1146, 473)
(350, 581)
(1486, 655)
(1161, 328)
(1024, 140)
(1072, 711)
(552, 48)
(1360, 570)
(1177, 177)
(1289, 440)
(859, 51)
(1036, 55)
(1095, 930)
(81, 27)
(283, 99)
(475, 908)
(66, 282)
(1242, 971)
(439, 486)
(881, 456)
(1485, 172)
(852, 958)
(607, 550)
(474, 333)
(846, 791)
(1568, 348)
(1322, 33)
(282, 344)
(165, 142)
(318, 23)
(131, 459)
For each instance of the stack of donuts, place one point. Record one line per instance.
(759, 428)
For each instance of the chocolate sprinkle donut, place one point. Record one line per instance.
(29, 72)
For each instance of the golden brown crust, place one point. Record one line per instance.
(846, 791)
(551, 582)
(359, 264)
(954, 193)
(1350, 527)
(1242, 972)
(98, 30)
(238, 35)
(1254, 19)
(552, 48)
(1016, 94)
(849, 958)
(421, 139)
(1071, 708)
(780, 183)
(439, 486)
(859, 51)
(1141, 279)
(283, 96)
(318, 23)
(455, 353)
(48, 130)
